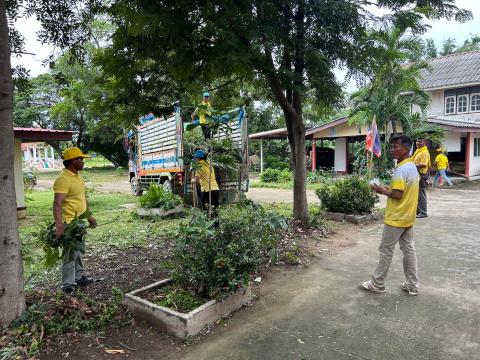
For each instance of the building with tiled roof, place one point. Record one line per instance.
(453, 82)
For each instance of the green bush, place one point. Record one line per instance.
(218, 260)
(285, 176)
(270, 175)
(320, 177)
(275, 175)
(158, 197)
(351, 195)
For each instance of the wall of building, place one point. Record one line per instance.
(452, 141)
(474, 160)
(341, 130)
(437, 105)
(18, 173)
(341, 155)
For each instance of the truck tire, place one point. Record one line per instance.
(168, 185)
(135, 186)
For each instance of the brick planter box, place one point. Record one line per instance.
(354, 219)
(179, 324)
(159, 211)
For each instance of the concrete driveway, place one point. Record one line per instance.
(323, 315)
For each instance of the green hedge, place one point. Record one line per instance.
(275, 176)
(350, 195)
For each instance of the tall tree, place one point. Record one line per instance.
(394, 89)
(33, 101)
(65, 23)
(448, 47)
(292, 46)
(430, 49)
(470, 44)
(12, 298)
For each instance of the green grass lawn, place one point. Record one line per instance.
(97, 162)
(286, 185)
(118, 227)
(92, 175)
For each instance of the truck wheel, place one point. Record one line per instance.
(167, 185)
(135, 186)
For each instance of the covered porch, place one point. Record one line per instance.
(462, 143)
(31, 135)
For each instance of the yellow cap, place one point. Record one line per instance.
(73, 153)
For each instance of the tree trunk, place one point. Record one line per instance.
(12, 297)
(299, 165)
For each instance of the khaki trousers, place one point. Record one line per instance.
(404, 236)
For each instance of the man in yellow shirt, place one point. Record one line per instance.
(204, 176)
(421, 158)
(441, 163)
(200, 114)
(399, 219)
(69, 202)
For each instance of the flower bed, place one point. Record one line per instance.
(183, 324)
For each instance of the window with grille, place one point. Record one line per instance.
(475, 103)
(450, 105)
(462, 104)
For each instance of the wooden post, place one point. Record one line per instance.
(261, 155)
(314, 155)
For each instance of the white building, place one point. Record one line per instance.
(454, 85)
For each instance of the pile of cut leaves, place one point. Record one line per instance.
(51, 315)
(72, 238)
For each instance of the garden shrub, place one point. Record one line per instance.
(158, 197)
(218, 260)
(275, 176)
(350, 195)
(285, 176)
(320, 177)
(270, 175)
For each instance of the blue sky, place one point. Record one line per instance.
(439, 31)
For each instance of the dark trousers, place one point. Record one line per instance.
(215, 200)
(422, 198)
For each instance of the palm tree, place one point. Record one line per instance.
(394, 91)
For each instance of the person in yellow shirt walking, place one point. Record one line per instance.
(400, 214)
(204, 177)
(421, 158)
(69, 202)
(441, 163)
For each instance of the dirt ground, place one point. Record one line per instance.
(137, 267)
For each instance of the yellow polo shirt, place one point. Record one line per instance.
(402, 213)
(202, 113)
(203, 173)
(442, 162)
(73, 186)
(422, 157)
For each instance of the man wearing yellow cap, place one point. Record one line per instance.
(70, 201)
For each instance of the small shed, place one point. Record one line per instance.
(28, 135)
